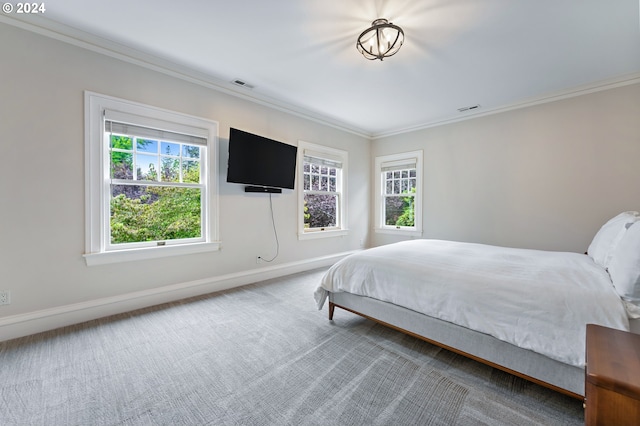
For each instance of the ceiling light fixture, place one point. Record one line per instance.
(380, 41)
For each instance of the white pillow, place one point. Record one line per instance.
(607, 238)
(625, 265)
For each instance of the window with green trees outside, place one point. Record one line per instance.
(399, 197)
(150, 182)
(399, 193)
(156, 193)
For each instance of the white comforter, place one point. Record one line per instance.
(536, 300)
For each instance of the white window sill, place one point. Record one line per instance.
(401, 231)
(119, 256)
(312, 235)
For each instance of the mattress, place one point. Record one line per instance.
(536, 300)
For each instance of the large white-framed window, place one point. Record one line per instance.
(150, 182)
(322, 173)
(398, 189)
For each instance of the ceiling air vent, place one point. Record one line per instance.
(463, 109)
(241, 83)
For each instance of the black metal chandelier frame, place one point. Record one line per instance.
(379, 40)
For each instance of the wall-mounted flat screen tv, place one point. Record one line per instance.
(256, 160)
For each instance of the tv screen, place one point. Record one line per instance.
(256, 160)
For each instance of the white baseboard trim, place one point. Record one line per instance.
(29, 323)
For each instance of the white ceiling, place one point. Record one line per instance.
(300, 55)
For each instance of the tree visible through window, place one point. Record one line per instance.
(399, 197)
(150, 182)
(155, 187)
(322, 175)
(321, 196)
(399, 193)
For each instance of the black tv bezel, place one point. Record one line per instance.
(262, 184)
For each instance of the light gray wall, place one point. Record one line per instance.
(42, 179)
(544, 177)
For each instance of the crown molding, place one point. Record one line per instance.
(52, 29)
(46, 27)
(552, 97)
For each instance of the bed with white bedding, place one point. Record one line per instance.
(524, 311)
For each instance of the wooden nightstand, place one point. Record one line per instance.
(612, 381)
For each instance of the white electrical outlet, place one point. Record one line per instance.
(5, 297)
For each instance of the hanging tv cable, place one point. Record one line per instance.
(275, 232)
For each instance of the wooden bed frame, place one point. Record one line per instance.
(529, 365)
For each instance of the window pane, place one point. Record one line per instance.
(150, 213)
(121, 142)
(146, 145)
(396, 186)
(412, 173)
(315, 182)
(168, 148)
(191, 151)
(332, 171)
(389, 188)
(332, 184)
(324, 170)
(159, 160)
(398, 211)
(191, 171)
(307, 182)
(324, 183)
(170, 169)
(121, 165)
(147, 167)
(405, 174)
(320, 210)
(405, 185)
(315, 168)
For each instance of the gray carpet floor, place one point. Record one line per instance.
(257, 355)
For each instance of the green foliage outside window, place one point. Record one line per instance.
(407, 216)
(399, 210)
(160, 213)
(141, 213)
